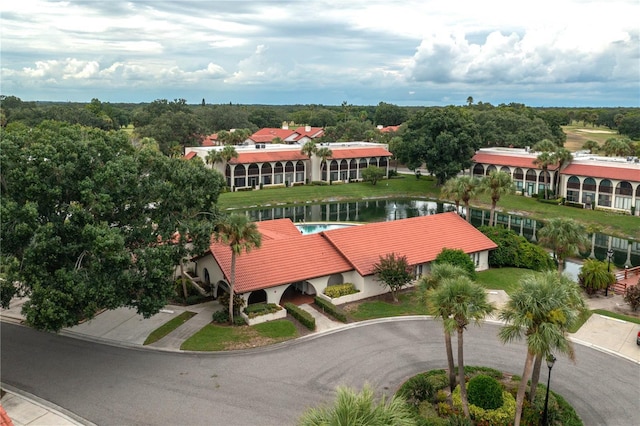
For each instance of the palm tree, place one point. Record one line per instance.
(564, 236)
(594, 275)
(214, 156)
(458, 301)
(561, 156)
(228, 152)
(324, 154)
(468, 186)
(496, 184)
(541, 310)
(308, 149)
(351, 408)
(451, 191)
(440, 272)
(544, 160)
(241, 235)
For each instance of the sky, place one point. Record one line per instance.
(567, 53)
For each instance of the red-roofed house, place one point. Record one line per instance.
(277, 164)
(300, 135)
(289, 262)
(591, 180)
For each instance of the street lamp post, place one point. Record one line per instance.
(609, 256)
(550, 361)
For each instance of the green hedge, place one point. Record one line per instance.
(338, 290)
(514, 250)
(572, 204)
(301, 315)
(257, 309)
(331, 309)
(556, 201)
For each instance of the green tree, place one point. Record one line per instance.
(632, 296)
(451, 191)
(389, 114)
(458, 258)
(351, 408)
(561, 156)
(591, 145)
(324, 154)
(89, 222)
(241, 235)
(461, 188)
(564, 236)
(458, 301)
(228, 152)
(438, 273)
(309, 149)
(543, 161)
(214, 156)
(394, 272)
(618, 147)
(445, 139)
(496, 184)
(630, 126)
(540, 311)
(594, 276)
(373, 174)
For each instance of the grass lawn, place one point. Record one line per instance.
(617, 316)
(506, 279)
(214, 337)
(168, 327)
(408, 304)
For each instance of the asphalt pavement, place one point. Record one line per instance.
(124, 327)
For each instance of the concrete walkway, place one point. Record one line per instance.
(323, 322)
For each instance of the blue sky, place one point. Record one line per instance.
(428, 52)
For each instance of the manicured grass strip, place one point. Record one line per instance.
(278, 329)
(506, 279)
(212, 338)
(408, 304)
(617, 316)
(168, 327)
(219, 338)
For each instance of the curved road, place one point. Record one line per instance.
(111, 385)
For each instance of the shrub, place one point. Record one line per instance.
(532, 413)
(458, 258)
(632, 296)
(556, 201)
(500, 416)
(301, 315)
(514, 250)
(572, 204)
(417, 390)
(238, 302)
(319, 183)
(258, 309)
(429, 415)
(220, 317)
(331, 309)
(338, 290)
(485, 392)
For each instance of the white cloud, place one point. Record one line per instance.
(369, 49)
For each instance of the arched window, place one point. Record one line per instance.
(383, 162)
(605, 189)
(573, 189)
(589, 192)
(277, 173)
(478, 170)
(266, 173)
(506, 170)
(491, 168)
(624, 191)
(240, 178)
(373, 161)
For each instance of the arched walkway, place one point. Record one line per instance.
(298, 293)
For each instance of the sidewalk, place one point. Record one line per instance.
(28, 410)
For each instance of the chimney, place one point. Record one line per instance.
(285, 125)
(307, 128)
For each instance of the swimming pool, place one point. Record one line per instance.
(314, 228)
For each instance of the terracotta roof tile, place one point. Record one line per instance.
(190, 155)
(591, 170)
(282, 261)
(266, 155)
(343, 153)
(421, 239)
(508, 160)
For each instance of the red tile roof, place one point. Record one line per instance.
(211, 140)
(339, 153)
(314, 132)
(421, 239)
(266, 155)
(281, 261)
(269, 134)
(286, 256)
(507, 160)
(388, 129)
(190, 155)
(591, 170)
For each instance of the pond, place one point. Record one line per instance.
(624, 252)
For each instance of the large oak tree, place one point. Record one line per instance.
(89, 222)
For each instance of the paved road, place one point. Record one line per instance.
(112, 385)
